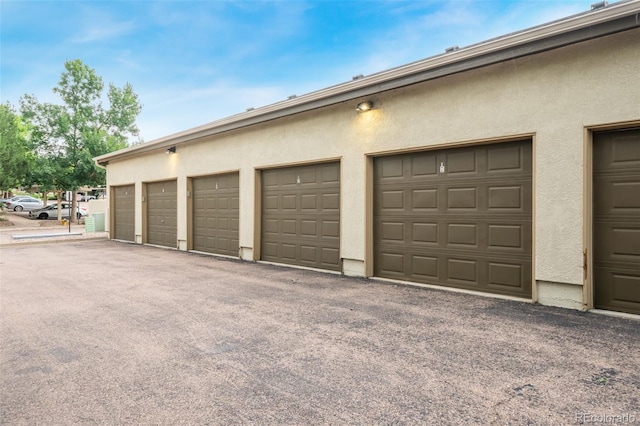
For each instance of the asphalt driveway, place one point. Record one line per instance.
(100, 332)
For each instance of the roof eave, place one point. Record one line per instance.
(615, 18)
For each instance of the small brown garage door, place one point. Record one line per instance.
(616, 220)
(216, 214)
(457, 217)
(124, 208)
(301, 215)
(162, 201)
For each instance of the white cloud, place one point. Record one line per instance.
(180, 107)
(103, 31)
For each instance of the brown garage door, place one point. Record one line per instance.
(301, 215)
(616, 220)
(162, 200)
(457, 217)
(124, 209)
(216, 214)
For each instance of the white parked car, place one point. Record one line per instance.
(26, 203)
(51, 211)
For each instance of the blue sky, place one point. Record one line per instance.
(192, 62)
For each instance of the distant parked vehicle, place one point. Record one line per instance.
(26, 203)
(15, 197)
(51, 212)
(85, 197)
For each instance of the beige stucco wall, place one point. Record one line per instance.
(552, 96)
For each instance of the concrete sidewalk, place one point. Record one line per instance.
(129, 334)
(20, 225)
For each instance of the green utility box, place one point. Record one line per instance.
(89, 225)
(99, 221)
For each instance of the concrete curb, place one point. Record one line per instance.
(57, 234)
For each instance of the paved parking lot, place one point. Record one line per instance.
(100, 332)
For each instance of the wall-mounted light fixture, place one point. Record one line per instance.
(171, 150)
(364, 106)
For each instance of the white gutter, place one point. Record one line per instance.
(574, 29)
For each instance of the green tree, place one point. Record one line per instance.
(68, 136)
(15, 151)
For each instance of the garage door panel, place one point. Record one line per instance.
(507, 159)
(270, 180)
(625, 287)
(391, 262)
(424, 199)
(162, 206)
(462, 270)
(506, 274)
(461, 161)
(331, 174)
(393, 200)
(424, 232)
(270, 203)
(330, 201)
(308, 176)
(309, 202)
(617, 196)
(289, 227)
(289, 202)
(330, 256)
(462, 198)
(288, 251)
(619, 151)
(392, 231)
(288, 179)
(456, 217)
(216, 213)
(506, 236)
(124, 213)
(616, 220)
(625, 195)
(393, 168)
(331, 229)
(426, 266)
(308, 253)
(617, 288)
(506, 197)
(309, 227)
(423, 164)
(463, 234)
(270, 250)
(304, 224)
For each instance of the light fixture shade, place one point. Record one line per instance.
(364, 106)
(171, 150)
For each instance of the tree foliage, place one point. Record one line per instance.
(15, 150)
(68, 136)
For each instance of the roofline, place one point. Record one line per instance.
(616, 17)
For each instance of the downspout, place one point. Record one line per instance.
(99, 165)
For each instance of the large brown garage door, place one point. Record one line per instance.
(301, 215)
(216, 214)
(162, 200)
(616, 220)
(457, 217)
(124, 209)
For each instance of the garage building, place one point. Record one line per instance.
(510, 167)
